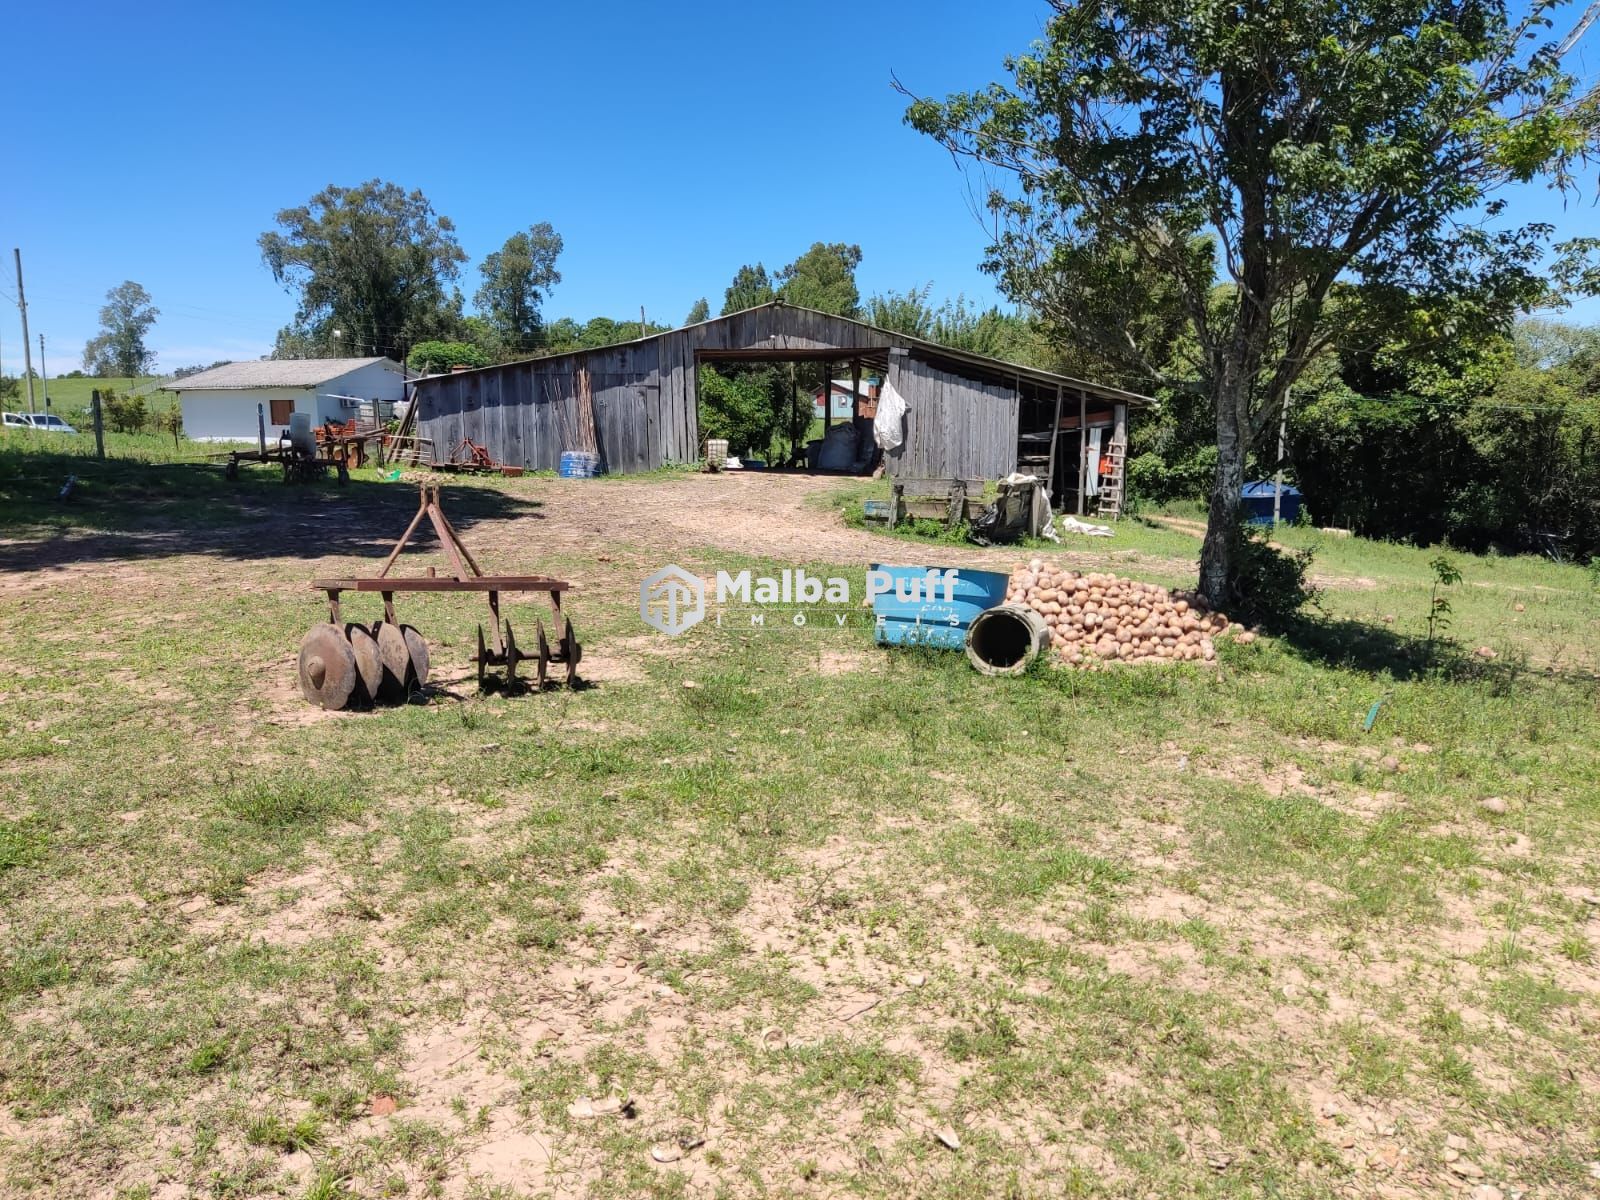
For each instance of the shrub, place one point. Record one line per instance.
(124, 413)
(1271, 586)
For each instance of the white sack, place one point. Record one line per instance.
(887, 428)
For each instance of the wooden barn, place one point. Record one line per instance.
(967, 416)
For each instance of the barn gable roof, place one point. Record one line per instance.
(884, 337)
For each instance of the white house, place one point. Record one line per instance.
(221, 405)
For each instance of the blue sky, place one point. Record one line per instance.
(667, 143)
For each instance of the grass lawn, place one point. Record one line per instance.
(72, 394)
(834, 921)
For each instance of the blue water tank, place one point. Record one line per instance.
(1258, 502)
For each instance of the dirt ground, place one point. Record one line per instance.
(768, 514)
(832, 922)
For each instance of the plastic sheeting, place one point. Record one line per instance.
(838, 449)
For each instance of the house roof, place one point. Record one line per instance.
(843, 385)
(273, 372)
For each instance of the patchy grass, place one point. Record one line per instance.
(818, 917)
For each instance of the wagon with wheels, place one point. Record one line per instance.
(348, 664)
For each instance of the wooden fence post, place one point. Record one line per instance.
(99, 425)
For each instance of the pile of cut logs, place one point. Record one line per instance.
(1101, 618)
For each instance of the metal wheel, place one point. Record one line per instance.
(328, 673)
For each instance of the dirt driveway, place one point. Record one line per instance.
(787, 517)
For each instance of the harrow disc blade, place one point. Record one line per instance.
(513, 657)
(369, 663)
(418, 650)
(396, 658)
(483, 658)
(328, 671)
(544, 653)
(571, 652)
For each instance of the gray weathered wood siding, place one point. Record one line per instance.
(520, 410)
(645, 402)
(955, 427)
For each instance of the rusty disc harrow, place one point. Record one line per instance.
(352, 665)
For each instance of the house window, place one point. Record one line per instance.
(282, 406)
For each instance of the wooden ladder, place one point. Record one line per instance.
(1111, 490)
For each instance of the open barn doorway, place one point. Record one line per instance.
(793, 409)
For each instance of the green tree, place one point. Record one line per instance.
(1301, 146)
(125, 321)
(517, 280)
(373, 261)
(436, 358)
(823, 278)
(750, 288)
(700, 312)
(746, 406)
(959, 325)
(566, 335)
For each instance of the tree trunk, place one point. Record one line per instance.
(1217, 566)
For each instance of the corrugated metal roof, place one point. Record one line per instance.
(273, 372)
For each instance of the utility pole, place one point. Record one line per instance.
(1283, 436)
(44, 375)
(22, 305)
(643, 328)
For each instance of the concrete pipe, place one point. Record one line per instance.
(1005, 639)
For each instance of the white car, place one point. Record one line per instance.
(16, 421)
(48, 422)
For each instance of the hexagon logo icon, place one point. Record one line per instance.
(672, 600)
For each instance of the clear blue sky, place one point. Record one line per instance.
(667, 143)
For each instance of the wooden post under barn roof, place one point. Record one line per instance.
(1083, 445)
(1055, 434)
(855, 399)
(827, 398)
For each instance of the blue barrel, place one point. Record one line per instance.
(579, 464)
(913, 609)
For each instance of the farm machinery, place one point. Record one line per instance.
(306, 454)
(351, 665)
